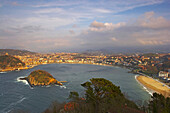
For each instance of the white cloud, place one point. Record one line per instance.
(127, 34)
(72, 32)
(98, 26)
(149, 20)
(113, 39)
(45, 22)
(62, 3)
(49, 10)
(102, 10)
(53, 19)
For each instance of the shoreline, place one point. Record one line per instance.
(25, 68)
(154, 85)
(143, 83)
(150, 91)
(17, 69)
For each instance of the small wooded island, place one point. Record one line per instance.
(41, 78)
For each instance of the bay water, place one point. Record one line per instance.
(16, 94)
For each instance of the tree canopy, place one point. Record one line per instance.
(99, 89)
(159, 104)
(100, 96)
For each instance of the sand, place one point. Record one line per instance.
(154, 85)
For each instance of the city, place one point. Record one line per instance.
(84, 56)
(154, 65)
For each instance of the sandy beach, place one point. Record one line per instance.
(154, 85)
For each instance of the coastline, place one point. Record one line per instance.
(154, 85)
(150, 91)
(16, 69)
(149, 88)
(32, 66)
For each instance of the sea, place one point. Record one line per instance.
(16, 94)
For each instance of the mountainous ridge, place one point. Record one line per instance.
(16, 52)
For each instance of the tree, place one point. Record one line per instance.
(159, 104)
(99, 88)
(74, 96)
(103, 94)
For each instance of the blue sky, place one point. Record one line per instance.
(67, 25)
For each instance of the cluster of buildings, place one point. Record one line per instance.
(164, 75)
(150, 64)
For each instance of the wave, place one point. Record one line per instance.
(1, 94)
(8, 108)
(46, 86)
(63, 87)
(145, 88)
(3, 72)
(23, 81)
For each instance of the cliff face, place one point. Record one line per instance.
(41, 78)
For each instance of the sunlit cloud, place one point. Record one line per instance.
(128, 34)
(151, 21)
(63, 24)
(98, 26)
(113, 39)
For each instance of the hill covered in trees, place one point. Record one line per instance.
(15, 52)
(7, 62)
(41, 78)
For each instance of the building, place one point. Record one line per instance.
(163, 74)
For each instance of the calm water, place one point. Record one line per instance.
(18, 95)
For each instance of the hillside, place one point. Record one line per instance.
(15, 52)
(41, 78)
(7, 61)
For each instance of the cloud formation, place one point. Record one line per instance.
(147, 30)
(149, 20)
(85, 24)
(98, 26)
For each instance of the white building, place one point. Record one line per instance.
(163, 74)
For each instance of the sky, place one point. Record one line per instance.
(79, 25)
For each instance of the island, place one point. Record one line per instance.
(10, 63)
(41, 78)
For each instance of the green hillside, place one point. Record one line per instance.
(40, 77)
(7, 61)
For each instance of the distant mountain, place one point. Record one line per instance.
(131, 50)
(7, 62)
(15, 52)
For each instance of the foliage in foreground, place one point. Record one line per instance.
(100, 96)
(159, 104)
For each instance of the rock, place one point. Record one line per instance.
(41, 78)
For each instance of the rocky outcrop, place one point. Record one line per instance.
(41, 78)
